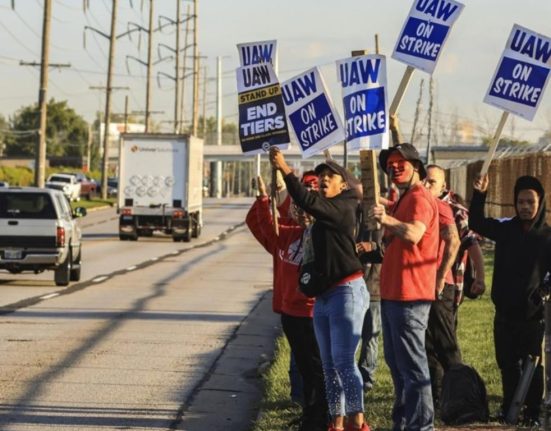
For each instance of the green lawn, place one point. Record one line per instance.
(93, 203)
(475, 334)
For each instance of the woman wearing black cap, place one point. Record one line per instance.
(340, 308)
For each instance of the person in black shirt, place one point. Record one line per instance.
(522, 261)
(340, 309)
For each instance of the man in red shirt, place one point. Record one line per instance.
(441, 341)
(408, 277)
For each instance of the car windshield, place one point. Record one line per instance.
(26, 205)
(59, 179)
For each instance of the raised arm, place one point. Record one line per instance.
(485, 226)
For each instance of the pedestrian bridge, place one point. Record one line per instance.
(226, 153)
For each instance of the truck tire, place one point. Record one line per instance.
(76, 266)
(62, 274)
(196, 230)
(187, 236)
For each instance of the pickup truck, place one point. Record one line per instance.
(88, 187)
(39, 231)
(67, 183)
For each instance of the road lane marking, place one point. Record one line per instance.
(131, 268)
(50, 296)
(100, 279)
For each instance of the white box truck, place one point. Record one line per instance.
(160, 186)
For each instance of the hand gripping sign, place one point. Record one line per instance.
(262, 120)
(363, 81)
(313, 118)
(422, 38)
(520, 79)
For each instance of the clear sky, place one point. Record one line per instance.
(309, 33)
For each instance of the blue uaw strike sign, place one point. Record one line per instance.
(363, 81)
(425, 31)
(262, 121)
(310, 111)
(258, 52)
(522, 74)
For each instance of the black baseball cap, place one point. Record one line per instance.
(337, 169)
(408, 152)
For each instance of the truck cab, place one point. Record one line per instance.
(39, 231)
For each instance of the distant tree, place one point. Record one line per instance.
(505, 142)
(545, 139)
(66, 131)
(4, 134)
(210, 129)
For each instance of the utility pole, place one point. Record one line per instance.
(217, 174)
(89, 149)
(204, 103)
(125, 115)
(40, 156)
(431, 90)
(195, 71)
(177, 78)
(108, 90)
(177, 68)
(107, 119)
(149, 53)
(184, 72)
(40, 164)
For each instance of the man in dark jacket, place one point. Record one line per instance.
(522, 260)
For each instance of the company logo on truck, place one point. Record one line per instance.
(135, 149)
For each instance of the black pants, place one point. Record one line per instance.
(441, 341)
(514, 341)
(302, 340)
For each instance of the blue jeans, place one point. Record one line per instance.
(338, 319)
(370, 344)
(404, 326)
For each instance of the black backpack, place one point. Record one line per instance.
(463, 399)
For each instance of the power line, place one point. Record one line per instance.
(17, 39)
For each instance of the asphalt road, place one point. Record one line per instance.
(138, 343)
(104, 254)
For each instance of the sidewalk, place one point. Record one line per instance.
(230, 396)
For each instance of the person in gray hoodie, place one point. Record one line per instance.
(522, 261)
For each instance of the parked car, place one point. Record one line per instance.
(4, 184)
(88, 186)
(38, 232)
(112, 187)
(67, 183)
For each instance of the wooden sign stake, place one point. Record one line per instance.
(273, 196)
(401, 90)
(493, 144)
